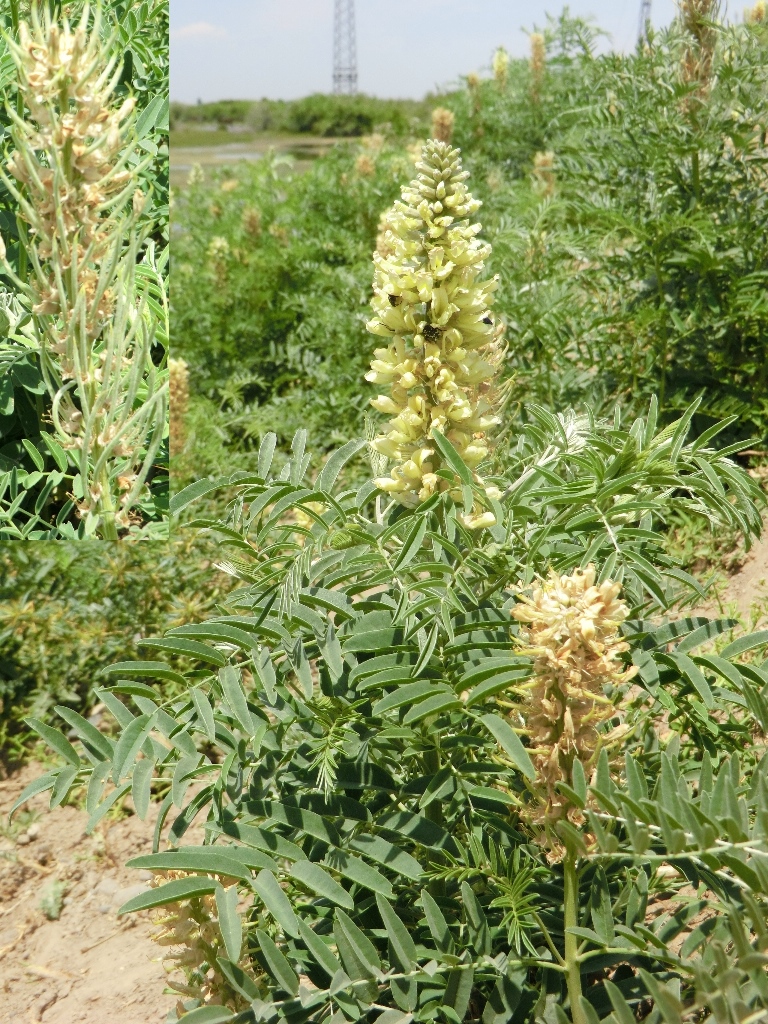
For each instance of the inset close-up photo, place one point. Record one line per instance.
(444, 699)
(83, 271)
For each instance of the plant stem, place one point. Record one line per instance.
(434, 812)
(571, 920)
(107, 525)
(665, 327)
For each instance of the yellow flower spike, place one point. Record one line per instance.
(445, 346)
(501, 67)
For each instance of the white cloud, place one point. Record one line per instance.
(200, 30)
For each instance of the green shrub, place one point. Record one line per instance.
(68, 609)
(318, 114)
(444, 768)
(630, 224)
(271, 291)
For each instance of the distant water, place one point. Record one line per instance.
(183, 158)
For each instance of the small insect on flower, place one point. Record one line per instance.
(444, 349)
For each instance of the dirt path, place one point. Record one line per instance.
(87, 967)
(746, 592)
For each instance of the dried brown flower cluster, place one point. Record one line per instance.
(442, 124)
(571, 629)
(444, 345)
(70, 158)
(473, 86)
(251, 221)
(757, 15)
(191, 929)
(697, 17)
(365, 166)
(538, 64)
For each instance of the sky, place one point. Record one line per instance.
(282, 49)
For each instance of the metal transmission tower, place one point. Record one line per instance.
(344, 48)
(645, 17)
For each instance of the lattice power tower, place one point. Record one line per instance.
(344, 48)
(645, 17)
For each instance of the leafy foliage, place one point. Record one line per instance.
(95, 604)
(275, 339)
(349, 722)
(633, 260)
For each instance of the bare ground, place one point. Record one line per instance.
(746, 592)
(89, 966)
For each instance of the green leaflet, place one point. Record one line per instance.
(320, 882)
(154, 669)
(509, 742)
(388, 855)
(229, 921)
(54, 739)
(277, 965)
(276, 901)
(299, 818)
(232, 687)
(210, 859)
(170, 892)
(187, 648)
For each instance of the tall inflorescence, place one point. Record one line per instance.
(570, 627)
(544, 172)
(444, 346)
(191, 933)
(442, 124)
(757, 15)
(67, 158)
(179, 395)
(538, 63)
(73, 176)
(473, 86)
(501, 67)
(697, 17)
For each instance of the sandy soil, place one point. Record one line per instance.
(746, 591)
(89, 966)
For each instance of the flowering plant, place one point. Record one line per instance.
(449, 770)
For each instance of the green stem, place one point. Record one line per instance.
(696, 175)
(434, 812)
(665, 337)
(571, 920)
(106, 509)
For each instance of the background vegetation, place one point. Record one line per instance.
(318, 114)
